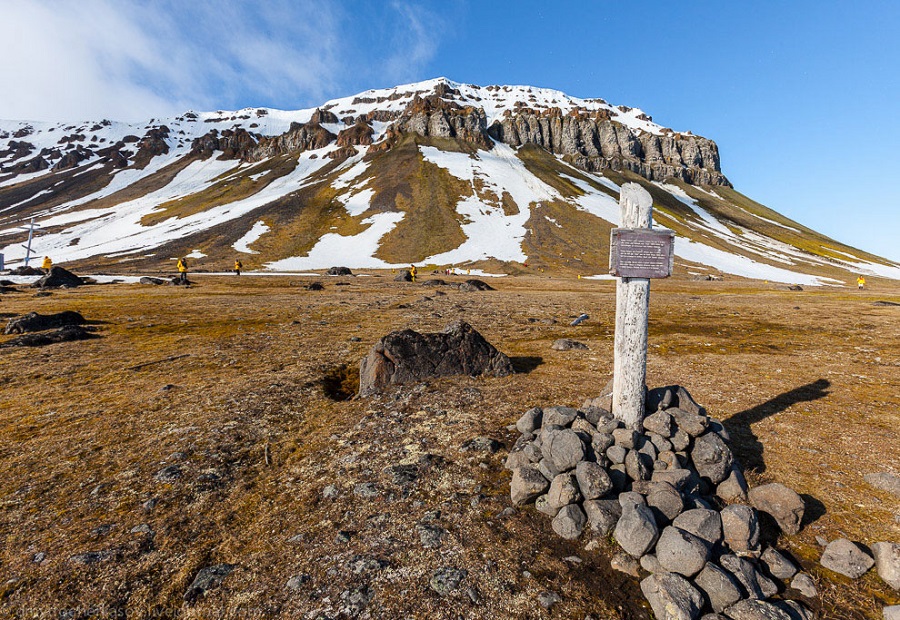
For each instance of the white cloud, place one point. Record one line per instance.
(128, 61)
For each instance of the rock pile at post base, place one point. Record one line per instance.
(670, 495)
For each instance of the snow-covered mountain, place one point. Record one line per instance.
(507, 179)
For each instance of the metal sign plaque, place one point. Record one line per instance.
(641, 253)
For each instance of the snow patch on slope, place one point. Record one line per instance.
(356, 250)
(256, 231)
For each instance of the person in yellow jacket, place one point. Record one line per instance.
(182, 270)
(412, 272)
(860, 282)
(47, 264)
(238, 265)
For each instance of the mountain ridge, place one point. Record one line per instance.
(438, 172)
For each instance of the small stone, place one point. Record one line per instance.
(636, 531)
(703, 523)
(207, 579)
(755, 584)
(143, 528)
(720, 587)
(712, 457)
(430, 535)
(356, 599)
(733, 488)
(481, 444)
(659, 423)
(638, 465)
(563, 491)
(804, 584)
(846, 558)
(665, 502)
(593, 480)
(891, 612)
(887, 562)
(516, 459)
(297, 582)
(625, 437)
(631, 499)
(794, 609)
(168, 474)
(884, 481)
(616, 454)
(651, 564)
(754, 609)
(660, 443)
(782, 503)
(677, 477)
(672, 597)
(566, 344)
(778, 565)
(740, 528)
(680, 440)
(446, 580)
(527, 483)
(580, 424)
(624, 563)
(330, 492)
(365, 490)
(602, 515)
(692, 424)
(569, 522)
(530, 421)
(543, 505)
(681, 552)
(549, 599)
(564, 449)
(560, 416)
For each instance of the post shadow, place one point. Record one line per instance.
(744, 440)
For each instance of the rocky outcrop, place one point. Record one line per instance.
(234, 144)
(407, 356)
(58, 277)
(434, 116)
(300, 137)
(360, 133)
(152, 144)
(594, 142)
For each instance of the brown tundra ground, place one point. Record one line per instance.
(240, 382)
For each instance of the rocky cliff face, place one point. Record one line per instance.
(595, 142)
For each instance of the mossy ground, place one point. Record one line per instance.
(230, 379)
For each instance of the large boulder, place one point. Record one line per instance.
(407, 356)
(58, 277)
(34, 322)
(527, 483)
(339, 271)
(887, 562)
(636, 531)
(672, 597)
(846, 558)
(681, 552)
(782, 503)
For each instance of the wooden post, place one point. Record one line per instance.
(632, 312)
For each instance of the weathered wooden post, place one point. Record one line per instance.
(636, 254)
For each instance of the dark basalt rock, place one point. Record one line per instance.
(339, 271)
(63, 334)
(34, 322)
(407, 357)
(57, 278)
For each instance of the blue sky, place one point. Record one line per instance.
(802, 97)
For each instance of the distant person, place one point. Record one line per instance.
(182, 271)
(412, 272)
(238, 265)
(860, 282)
(47, 264)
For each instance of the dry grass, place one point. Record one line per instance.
(82, 437)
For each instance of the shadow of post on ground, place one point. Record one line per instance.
(745, 442)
